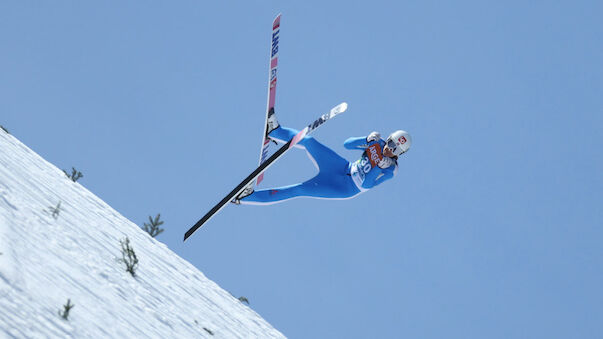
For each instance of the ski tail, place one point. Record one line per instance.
(264, 166)
(272, 71)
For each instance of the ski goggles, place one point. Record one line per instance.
(392, 145)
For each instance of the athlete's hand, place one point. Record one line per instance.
(374, 136)
(386, 162)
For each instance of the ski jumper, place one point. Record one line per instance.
(337, 178)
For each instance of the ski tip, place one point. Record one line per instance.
(342, 107)
(277, 21)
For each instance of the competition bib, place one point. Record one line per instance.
(374, 154)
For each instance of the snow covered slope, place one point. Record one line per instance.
(45, 261)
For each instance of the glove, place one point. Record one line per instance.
(386, 162)
(374, 136)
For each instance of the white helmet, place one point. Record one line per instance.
(399, 142)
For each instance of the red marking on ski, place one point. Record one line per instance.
(277, 23)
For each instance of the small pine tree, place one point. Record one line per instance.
(153, 226)
(75, 174)
(66, 308)
(55, 210)
(128, 256)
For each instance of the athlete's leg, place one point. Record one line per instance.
(272, 196)
(325, 158)
(326, 187)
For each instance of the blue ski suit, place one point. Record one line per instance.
(337, 178)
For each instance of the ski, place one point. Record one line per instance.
(260, 169)
(276, 24)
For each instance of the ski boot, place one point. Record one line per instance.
(271, 122)
(246, 192)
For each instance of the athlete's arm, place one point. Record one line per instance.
(356, 143)
(387, 174)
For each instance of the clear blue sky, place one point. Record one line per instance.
(493, 226)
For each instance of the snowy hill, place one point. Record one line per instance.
(46, 260)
